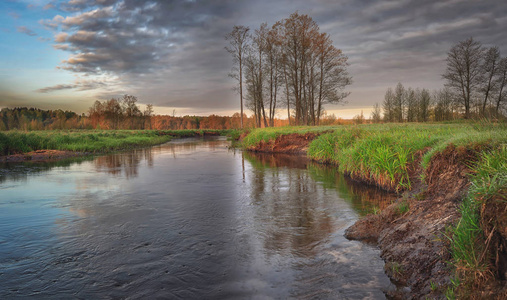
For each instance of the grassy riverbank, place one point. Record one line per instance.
(90, 141)
(444, 163)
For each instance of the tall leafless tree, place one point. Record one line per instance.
(423, 101)
(463, 73)
(490, 71)
(388, 106)
(238, 44)
(502, 84)
(295, 57)
(376, 116)
(411, 105)
(399, 102)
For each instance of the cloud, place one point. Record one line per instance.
(172, 52)
(57, 87)
(49, 6)
(26, 31)
(52, 24)
(61, 37)
(79, 85)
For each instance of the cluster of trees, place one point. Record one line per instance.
(120, 114)
(478, 77)
(289, 65)
(475, 87)
(23, 118)
(415, 105)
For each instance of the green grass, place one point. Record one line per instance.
(91, 141)
(13, 142)
(468, 244)
(384, 154)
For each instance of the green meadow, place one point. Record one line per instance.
(91, 141)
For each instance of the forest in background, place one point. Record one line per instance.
(124, 113)
(475, 88)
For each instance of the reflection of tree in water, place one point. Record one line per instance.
(296, 198)
(19, 171)
(274, 160)
(289, 201)
(126, 163)
(189, 145)
(364, 198)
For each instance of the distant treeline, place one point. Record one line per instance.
(24, 118)
(121, 113)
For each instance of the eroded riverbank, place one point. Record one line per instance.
(431, 169)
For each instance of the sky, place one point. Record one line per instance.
(68, 54)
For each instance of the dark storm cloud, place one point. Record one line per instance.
(134, 36)
(166, 50)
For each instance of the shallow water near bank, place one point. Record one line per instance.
(189, 219)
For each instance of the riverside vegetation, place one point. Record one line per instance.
(91, 141)
(461, 167)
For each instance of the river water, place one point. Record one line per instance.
(190, 219)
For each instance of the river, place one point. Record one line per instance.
(190, 219)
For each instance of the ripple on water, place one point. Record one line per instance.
(187, 220)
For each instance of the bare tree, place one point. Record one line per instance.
(131, 110)
(399, 102)
(502, 83)
(274, 60)
(463, 73)
(293, 54)
(238, 39)
(148, 113)
(443, 100)
(423, 111)
(376, 114)
(490, 71)
(332, 76)
(388, 106)
(113, 113)
(411, 105)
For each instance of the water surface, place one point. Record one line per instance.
(189, 219)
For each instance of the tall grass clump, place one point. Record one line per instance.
(470, 239)
(378, 154)
(327, 147)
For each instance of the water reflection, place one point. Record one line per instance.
(189, 219)
(302, 209)
(365, 199)
(125, 163)
(20, 171)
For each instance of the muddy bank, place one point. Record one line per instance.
(42, 155)
(411, 231)
(293, 143)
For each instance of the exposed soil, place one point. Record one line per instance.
(41, 155)
(410, 232)
(293, 143)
